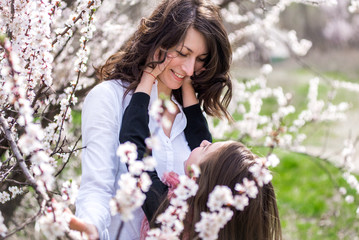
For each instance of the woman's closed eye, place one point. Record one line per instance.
(201, 59)
(181, 54)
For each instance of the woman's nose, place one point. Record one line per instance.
(188, 66)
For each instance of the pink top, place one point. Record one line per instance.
(171, 180)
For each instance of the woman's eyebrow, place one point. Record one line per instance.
(192, 50)
(188, 49)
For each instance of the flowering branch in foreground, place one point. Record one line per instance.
(221, 199)
(171, 219)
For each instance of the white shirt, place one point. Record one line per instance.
(101, 168)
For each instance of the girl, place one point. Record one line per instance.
(221, 163)
(182, 50)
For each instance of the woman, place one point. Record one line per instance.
(183, 48)
(221, 163)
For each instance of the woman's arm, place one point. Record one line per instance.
(100, 125)
(135, 129)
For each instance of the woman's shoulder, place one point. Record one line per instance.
(106, 94)
(108, 89)
(108, 86)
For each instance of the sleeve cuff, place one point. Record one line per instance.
(140, 99)
(193, 110)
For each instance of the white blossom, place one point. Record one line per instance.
(272, 160)
(166, 123)
(170, 106)
(145, 182)
(136, 168)
(240, 202)
(130, 194)
(349, 199)
(69, 191)
(156, 109)
(219, 197)
(210, 223)
(250, 188)
(342, 190)
(186, 188)
(172, 219)
(15, 191)
(54, 222)
(127, 152)
(149, 163)
(266, 69)
(354, 6)
(4, 197)
(194, 171)
(153, 142)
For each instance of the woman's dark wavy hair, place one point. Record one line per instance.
(227, 167)
(165, 29)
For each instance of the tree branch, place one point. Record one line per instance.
(7, 173)
(75, 21)
(28, 221)
(19, 157)
(68, 159)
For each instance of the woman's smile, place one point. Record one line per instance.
(178, 76)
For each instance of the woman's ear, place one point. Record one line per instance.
(152, 60)
(157, 55)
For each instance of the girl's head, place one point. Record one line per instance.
(164, 34)
(227, 164)
(201, 153)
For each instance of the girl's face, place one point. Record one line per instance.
(200, 153)
(187, 58)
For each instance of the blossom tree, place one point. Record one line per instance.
(47, 53)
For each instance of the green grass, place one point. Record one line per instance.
(307, 188)
(76, 117)
(309, 203)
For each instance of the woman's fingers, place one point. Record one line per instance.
(162, 66)
(77, 224)
(157, 57)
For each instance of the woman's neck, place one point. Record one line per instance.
(161, 88)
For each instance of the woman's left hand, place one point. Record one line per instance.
(85, 228)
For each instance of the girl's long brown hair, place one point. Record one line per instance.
(258, 221)
(166, 28)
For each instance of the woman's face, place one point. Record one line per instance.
(187, 58)
(201, 153)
